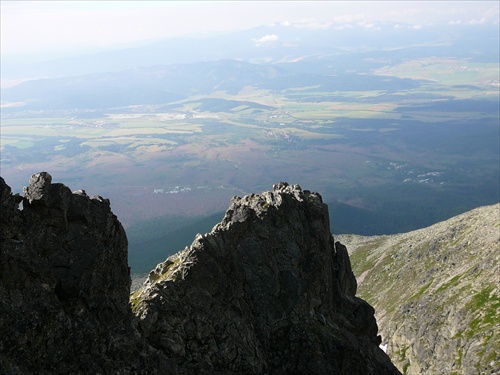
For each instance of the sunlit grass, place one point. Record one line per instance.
(445, 71)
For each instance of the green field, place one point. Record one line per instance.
(386, 160)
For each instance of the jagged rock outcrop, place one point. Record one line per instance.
(439, 315)
(267, 291)
(64, 284)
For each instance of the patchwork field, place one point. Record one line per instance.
(387, 160)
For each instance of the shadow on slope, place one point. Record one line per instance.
(152, 241)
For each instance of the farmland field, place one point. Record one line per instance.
(387, 159)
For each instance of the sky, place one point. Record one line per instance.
(82, 26)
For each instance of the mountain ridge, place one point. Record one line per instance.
(440, 314)
(161, 84)
(266, 291)
(293, 43)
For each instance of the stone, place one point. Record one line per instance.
(38, 188)
(436, 293)
(267, 291)
(64, 285)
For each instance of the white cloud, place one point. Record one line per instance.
(403, 14)
(343, 27)
(266, 39)
(481, 21)
(375, 26)
(366, 25)
(309, 23)
(350, 18)
(28, 26)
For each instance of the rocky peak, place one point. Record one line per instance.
(64, 282)
(266, 291)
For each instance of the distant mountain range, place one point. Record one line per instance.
(274, 56)
(436, 293)
(159, 85)
(140, 86)
(346, 47)
(371, 108)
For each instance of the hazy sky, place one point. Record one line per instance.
(48, 26)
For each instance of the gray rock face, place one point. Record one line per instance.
(266, 292)
(64, 284)
(439, 314)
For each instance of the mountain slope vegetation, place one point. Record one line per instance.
(436, 293)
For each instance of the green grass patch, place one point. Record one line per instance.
(422, 290)
(445, 286)
(486, 304)
(364, 258)
(34, 121)
(134, 299)
(17, 143)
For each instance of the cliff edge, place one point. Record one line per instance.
(267, 291)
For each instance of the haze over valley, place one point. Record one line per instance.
(395, 123)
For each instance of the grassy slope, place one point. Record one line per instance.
(435, 292)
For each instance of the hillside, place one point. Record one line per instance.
(436, 293)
